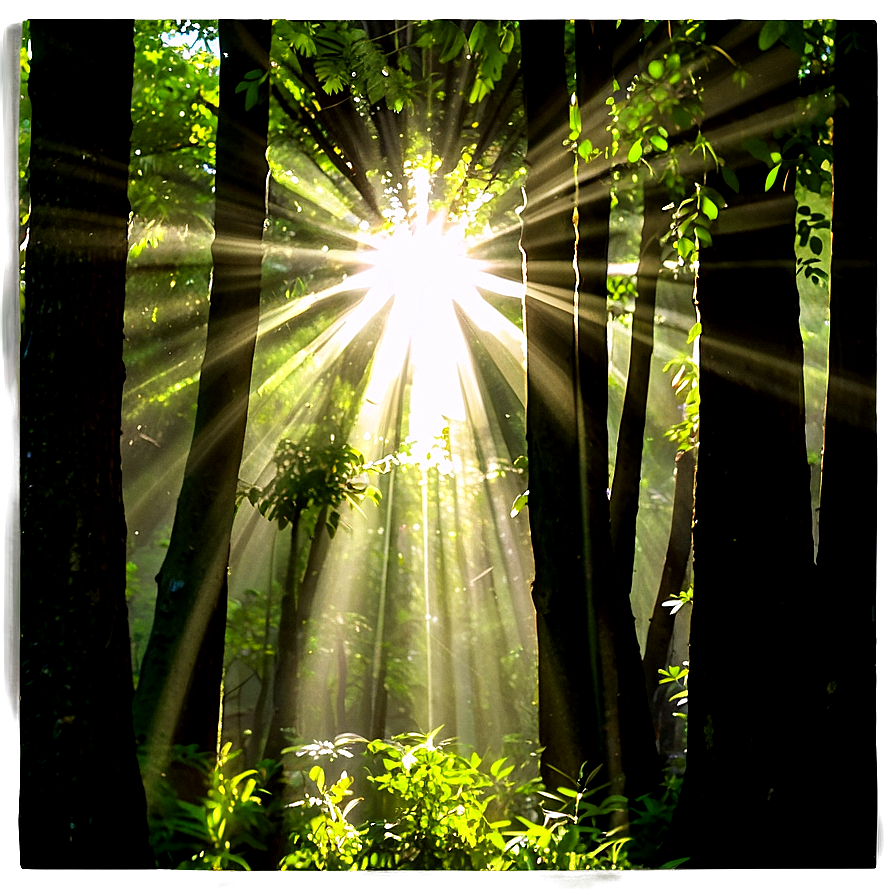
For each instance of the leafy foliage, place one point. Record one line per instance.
(686, 381)
(677, 675)
(439, 816)
(311, 476)
(217, 834)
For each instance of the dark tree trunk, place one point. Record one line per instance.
(182, 666)
(662, 622)
(627, 748)
(752, 534)
(82, 803)
(847, 526)
(285, 688)
(293, 636)
(626, 491)
(567, 725)
(640, 764)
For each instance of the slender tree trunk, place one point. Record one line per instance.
(662, 622)
(626, 491)
(285, 688)
(76, 685)
(181, 664)
(567, 726)
(848, 518)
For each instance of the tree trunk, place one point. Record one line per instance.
(285, 688)
(848, 518)
(662, 622)
(567, 725)
(182, 664)
(76, 686)
(752, 532)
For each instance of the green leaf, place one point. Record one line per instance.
(730, 178)
(634, 154)
(317, 776)
(675, 862)
(575, 119)
(694, 332)
(685, 247)
(477, 36)
(507, 42)
(710, 209)
(703, 234)
(655, 69)
(520, 502)
(758, 149)
(454, 47)
(252, 95)
(659, 142)
(770, 179)
(770, 33)
(682, 118)
(584, 149)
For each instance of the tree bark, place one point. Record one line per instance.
(662, 622)
(76, 684)
(567, 724)
(753, 532)
(183, 660)
(848, 519)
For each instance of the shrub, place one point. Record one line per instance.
(224, 830)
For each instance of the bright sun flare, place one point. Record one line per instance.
(427, 271)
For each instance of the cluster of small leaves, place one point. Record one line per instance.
(488, 47)
(324, 838)
(622, 293)
(666, 95)
(217, 833)
(693, 219)
(251, 85)
(677, 675)
(801, 152)
(174, 110)
(491, 44)
(651, 819)
(568, 838)
(439, 818)
(314, 476)
(812, 40)
(809, 150)
(345, 55)
(381, 81)
(686, 433)
(661, 102)
(443, 800)
(809, 153)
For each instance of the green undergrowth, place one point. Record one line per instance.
(409, 802)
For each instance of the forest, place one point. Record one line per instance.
(404, 405)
